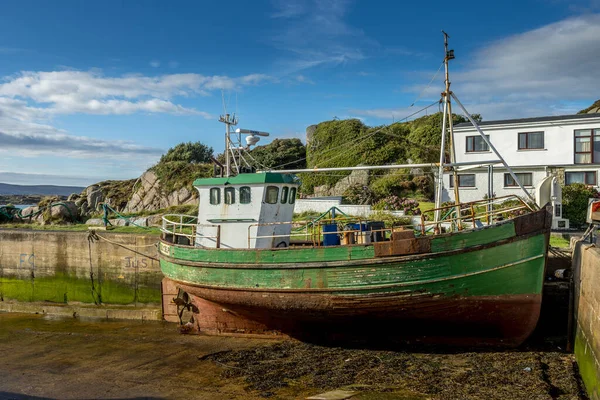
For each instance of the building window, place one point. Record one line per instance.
(293, 195)
(526, 179)
(229, 195)
(587, 177)
(464, 180)
(284, 194)
(587, 146)
(476, 143)
(271, 194)
(531, 140)
(215, 196)
(245, 195)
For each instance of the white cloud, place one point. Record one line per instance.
(29, 101)
(155, 63)
(550, 70)
(173, 64)
(394, 114)
(557, 61)
(304, 79)
(316, 33)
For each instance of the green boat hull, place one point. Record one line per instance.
(483, 285)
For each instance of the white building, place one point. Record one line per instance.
(566, 147)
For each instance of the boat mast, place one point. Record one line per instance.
(447, 116)
(228, 120)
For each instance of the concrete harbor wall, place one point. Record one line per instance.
(59, 272)
(586, 279)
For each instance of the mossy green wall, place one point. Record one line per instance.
(63, 267)
(587, 316)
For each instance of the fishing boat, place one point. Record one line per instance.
(465, 273)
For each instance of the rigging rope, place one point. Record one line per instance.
(429, 84)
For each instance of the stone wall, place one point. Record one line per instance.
(586, 277)
(65, 268)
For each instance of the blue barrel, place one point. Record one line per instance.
(330, 236)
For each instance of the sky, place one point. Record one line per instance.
(95, 90)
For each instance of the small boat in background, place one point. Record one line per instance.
(465, 274)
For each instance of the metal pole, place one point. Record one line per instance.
(491, 146)
(440, 177)
(369, 167)
(447, 57)
(227, 160)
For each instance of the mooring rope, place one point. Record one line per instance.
(93, 236)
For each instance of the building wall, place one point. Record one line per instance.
(65, 268)
(558, 142)
(481, 184)
(323, 205)
(557, 157)
(586, 277)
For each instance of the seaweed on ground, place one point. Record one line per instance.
(466, 375)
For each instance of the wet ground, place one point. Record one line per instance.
(83, 359)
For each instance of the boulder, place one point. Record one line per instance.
(118, 222)
(139, 221)
(66, 211)
(94, 197)
(155, 220)
(74, 197)
(95, 222)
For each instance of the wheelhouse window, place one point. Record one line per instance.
(526, 179)
(531, 140)
(292, 195)
(284, 194)
(464, 180)
(271, 194)
(215, 196)
(586, 177)
(245, 197)
(587, 146)
(476, 143)
(229, 195)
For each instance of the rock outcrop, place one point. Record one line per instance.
(149, 195)
(356, 177)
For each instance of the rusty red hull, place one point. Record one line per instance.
(481, 321)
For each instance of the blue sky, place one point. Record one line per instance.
(98, 90)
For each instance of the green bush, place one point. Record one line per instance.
(175, 175)
(195, 153)
(575, 202)
(390, 219)
(358, 194)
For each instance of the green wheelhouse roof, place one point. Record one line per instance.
(247, 179)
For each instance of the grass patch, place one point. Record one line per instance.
(426, 205)
(557, 241)
(81, 228)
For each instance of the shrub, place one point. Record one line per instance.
(358, 194)
(424, 183)
(575, 202)
(398, 184)
(390, 219)
(395, 203)
(189, 152)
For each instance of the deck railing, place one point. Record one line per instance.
(186, 226)
(313, 233)
(474, 214)
(471, 215)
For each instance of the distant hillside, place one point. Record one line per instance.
(44, 190)
(594, 108)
